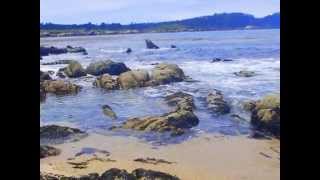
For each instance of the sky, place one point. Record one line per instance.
(137, 11)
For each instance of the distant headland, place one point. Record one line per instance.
(223, 21)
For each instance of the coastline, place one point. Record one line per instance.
(117, 33)
(209, 156)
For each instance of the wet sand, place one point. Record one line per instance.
(208, 157)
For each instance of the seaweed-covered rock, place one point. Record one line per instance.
(181, 100)
(118, 174)
(106, 82)
(216, 103)
(60, 87)
(109, 67)
(174, 122)
(74, 70)
(46, 151)
(54, 132)
(166, 73)
(133, 79)
(265, 114)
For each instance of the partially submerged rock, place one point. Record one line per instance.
(245, 73)
(220, 60)
(129, 50)
(134, 79)
(106, 82)
(166, 73)
(60, 87)
(153, 161)
(74, 70)
(56, 133)
(45, 51)
(175, 122)
(109, 67)
(216, 103)
(107, 110)
(42, 95)
(151, 45)
(58, 62)
(46, 151)
(115, 174)
(265, 114)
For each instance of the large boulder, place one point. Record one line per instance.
(46, 151)
(60, 87)
(133, 79)
(60, 133)
(109, 67)
(216, 103)
(174, 122)
(106, 82)
(74, 70)
(265, 114)
(166, 73)
(151, 45)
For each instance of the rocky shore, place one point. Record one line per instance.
(110, 76)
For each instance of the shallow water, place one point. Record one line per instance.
(256, 50)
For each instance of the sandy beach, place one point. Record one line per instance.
(207, 157)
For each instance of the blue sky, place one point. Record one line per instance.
(127, 11)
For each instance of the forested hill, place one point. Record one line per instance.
(222, 21)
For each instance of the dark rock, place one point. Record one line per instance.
(61, 74)
(181, 100)
(58, 62)
(107, 110)
(151, 45)
(153, 161)
(42, 94)
(71, 49)
(60, 87)
(216, 103)
(54, 132)
(88, 150)
(220, 60)
(106, 82)
(113, 174)
(45, 51)
(173, 46)
(46, 151)
(152, 175)
(129, 50)
(109, 67)
(245, 73)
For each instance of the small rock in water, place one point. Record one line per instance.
(151, 45)
(173, 46)
(129, 50)
(220, 60)
(107, 110)
(245, 73)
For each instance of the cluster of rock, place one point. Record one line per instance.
(265, 114)
(45, 51)
(175, 122)
(160, 74)
(115, 174)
